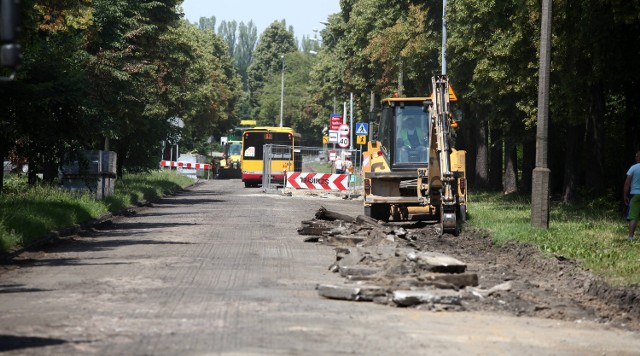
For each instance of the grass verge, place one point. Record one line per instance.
(29, 213)
(595, 234)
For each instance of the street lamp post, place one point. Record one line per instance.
(282, 92)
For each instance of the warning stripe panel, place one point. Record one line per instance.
(188, 165)
(320, 181)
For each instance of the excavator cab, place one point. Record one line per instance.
(230, 165)
(404, 130)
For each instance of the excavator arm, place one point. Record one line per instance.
(442, 181)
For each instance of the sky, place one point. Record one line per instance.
(303, 15)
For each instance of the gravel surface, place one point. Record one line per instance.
(221, 269)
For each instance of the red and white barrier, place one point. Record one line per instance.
(188, 165)
(322, 181)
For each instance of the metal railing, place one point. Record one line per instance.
(310, 160)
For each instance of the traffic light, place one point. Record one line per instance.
(10, 55)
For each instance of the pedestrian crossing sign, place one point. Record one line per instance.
(362, 128)
(361, 140)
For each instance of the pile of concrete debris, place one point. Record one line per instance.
(386, 263)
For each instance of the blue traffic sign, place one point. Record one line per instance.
(362, 128)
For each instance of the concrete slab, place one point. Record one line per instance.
(350, 292)
(407, 298)
(437, 262)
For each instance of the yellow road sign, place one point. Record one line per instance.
(361, 140)
(325, 139)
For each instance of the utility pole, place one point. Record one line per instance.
(541, 174)
(351, 121)
(444, 37)
(282, 92)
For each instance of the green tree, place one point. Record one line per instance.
(247, 39)
(228, 31)
(44, 108)
(275, 42)
(297, 111)
(207, 23)
(124, 73)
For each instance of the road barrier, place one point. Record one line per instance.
(323, 181)
(188, 165)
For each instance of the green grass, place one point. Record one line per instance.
(28, 213)
(595, 234)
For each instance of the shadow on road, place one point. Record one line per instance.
(177, 201)
(18, 288)
(13, 342)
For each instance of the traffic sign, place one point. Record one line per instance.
(335, 121)
(343, 142)
(344, 130)
(325, 139)
(333, 136)
(362, 128)
(361, 140)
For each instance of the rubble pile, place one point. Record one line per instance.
(391, 264)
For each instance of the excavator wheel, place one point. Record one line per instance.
(462, 213)
(449, 223)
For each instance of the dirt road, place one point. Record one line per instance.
(220, 269)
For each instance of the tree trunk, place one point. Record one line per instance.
(495, 169)
(32, 178)
(49, 172)
(595, 141)
(572, 162)
(464, 141)
(481, 172)
(3, 153)
(632, 125)
(510, 177)
(121, 151)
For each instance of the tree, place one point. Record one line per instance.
(247, 39)
(275, 42)
(45, 105)
(125, 77)
(228, 32)
(298, 111)
(207, 23)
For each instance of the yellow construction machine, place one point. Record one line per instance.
(230, 164)
(411, 171)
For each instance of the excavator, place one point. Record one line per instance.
(411, 171)
(230, 164)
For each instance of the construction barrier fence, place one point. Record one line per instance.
(312, 168)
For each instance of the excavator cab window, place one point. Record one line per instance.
(235, 149)
(384, 130)
(411, 135)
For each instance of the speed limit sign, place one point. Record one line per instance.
(343, 142)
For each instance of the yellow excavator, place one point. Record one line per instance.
(411, 171)
(230, 164)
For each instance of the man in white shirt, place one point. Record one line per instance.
(631, 195)
(338, 165)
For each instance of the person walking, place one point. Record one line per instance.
(338, 165)
(348, 166)
(631, 196)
